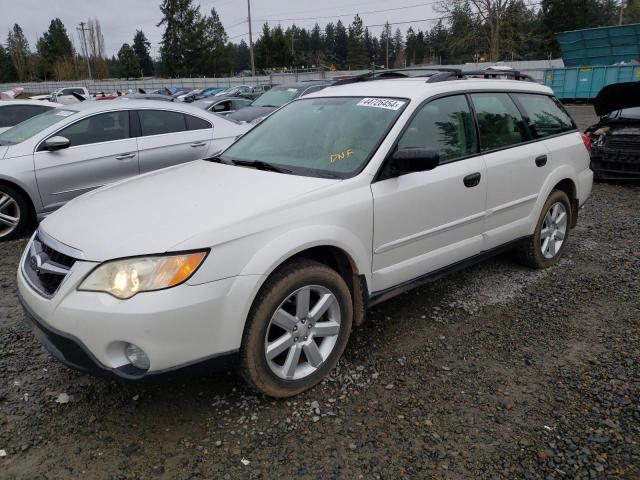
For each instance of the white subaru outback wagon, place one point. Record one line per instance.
(265, 257)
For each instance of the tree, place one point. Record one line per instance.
(56, 51)
(243, 57)
(631, 13)
(128, 64)
(341, 45)
(330, 42)
(99, 66)
(217, 59)
(19, 52)
(316, 45)
(7, 70)
(141, 48)
(183, 41)
(357, 56)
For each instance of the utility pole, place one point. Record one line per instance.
(253, 64)
(82, 29)
(622, 5)
(388, 30)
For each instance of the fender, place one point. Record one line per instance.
(24, 179)
(562, 172)
(276, 252)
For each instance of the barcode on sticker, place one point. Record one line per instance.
(387, 103)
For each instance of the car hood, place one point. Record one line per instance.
(616, 97)
(155, 212)
(248, 114)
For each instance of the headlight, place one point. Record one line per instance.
(124, 278)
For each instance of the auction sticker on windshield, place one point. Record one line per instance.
(387, 103)
(64, 113)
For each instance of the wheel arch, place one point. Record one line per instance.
(565, 179)
(20, 189)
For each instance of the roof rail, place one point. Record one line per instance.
(488, 73)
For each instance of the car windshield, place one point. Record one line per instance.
(325, 137)
(33, 126)
(276, 97)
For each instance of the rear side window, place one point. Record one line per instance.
(195, 123)
(499, 121)
(158, 122)
(14, 114)
(545, 115)
(444, 125)
(104, 127)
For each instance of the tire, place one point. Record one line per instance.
(15, 206)
(277, 323)
(533, 253)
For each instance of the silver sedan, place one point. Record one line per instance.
(56, 156)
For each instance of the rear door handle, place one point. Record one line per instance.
(472, 180)
(541, 161)
(125, 156)
(198, 144)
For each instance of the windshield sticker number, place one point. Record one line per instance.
(291, 90)
(334, 157)
(386, 103)
(64, 113)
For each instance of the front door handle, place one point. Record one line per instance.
(198, 144)
(541, 161)
(125, 156)
(472, 180)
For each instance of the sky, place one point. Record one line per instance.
(120, 18)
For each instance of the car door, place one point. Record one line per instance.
(169, 138)
(516, 167)
(427, 220)
(101, 151)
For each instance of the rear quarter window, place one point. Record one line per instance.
(196, 123)
(546, 117)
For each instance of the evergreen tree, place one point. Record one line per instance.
(341, 45)
(128, 64)
(262, 48)
(398, 49)
(330, 43)
(243, 57)
(315, 44)
(19, 52)
(183, 41)
(357, 56)
(217, 58)
(7, 70)
(141, 48)
(55, 48)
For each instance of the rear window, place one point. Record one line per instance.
(195, 123)
(545, 115)
(158, 122)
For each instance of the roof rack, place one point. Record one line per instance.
(434, 74)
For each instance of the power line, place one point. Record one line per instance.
(349, 14)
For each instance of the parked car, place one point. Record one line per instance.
(268, 254)
(275, 98)
(615, 139)
(54, 157)
(200, 94)
(65, 95)
(12, 112)
(223, 105)
(239, 91)
(259, 90)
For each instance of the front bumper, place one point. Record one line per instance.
(178, 327)
(610, 164)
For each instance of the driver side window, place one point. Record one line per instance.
(445, 126)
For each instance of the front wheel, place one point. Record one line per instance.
(297, 330)
(14, 213)
(551, 233)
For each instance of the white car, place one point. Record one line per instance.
(265, 257)
(13, 112)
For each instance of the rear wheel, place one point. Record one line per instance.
(550, 236)
(297, 329)
(14, 215)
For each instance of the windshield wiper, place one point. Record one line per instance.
(260, 165)
(268, 106)
(217, 159)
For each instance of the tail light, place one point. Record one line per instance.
(587, 141)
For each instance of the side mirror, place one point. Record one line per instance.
(56, 143)
(413, 159)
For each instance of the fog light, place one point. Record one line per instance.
(136, 356)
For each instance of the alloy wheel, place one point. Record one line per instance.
(554, 230)
(9, 214)
(302, 332)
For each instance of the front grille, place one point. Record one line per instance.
(45, 267)
(624, 143)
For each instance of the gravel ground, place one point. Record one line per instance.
(496, 372)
